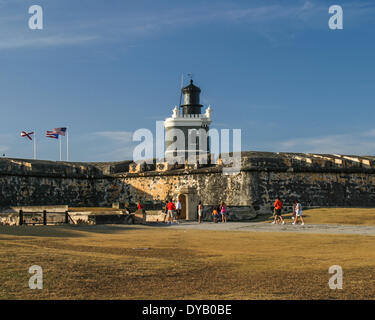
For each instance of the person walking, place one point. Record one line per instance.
(140, 208)
(278, 205)
(171, 207)
(223, 211)
(165, 210)
(298, 213)
(294, 211)
(178, 210)
(200, 210)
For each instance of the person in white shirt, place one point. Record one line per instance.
(178, 209)
(298, 213)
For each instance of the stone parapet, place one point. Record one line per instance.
(250, 161)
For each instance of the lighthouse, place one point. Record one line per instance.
(186, 131)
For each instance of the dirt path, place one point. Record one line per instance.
(267, 227)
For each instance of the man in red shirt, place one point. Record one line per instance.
(278, 205)
(171, 207)
(140, 208)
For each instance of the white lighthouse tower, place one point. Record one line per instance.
(186, 130)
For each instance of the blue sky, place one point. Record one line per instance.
(107, 68)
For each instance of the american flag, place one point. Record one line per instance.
(27, 134)
(60, 131)
(52, 134)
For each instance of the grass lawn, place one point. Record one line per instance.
(140, 262)
(94, 209)
(350, 216)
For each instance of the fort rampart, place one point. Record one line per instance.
(317, 180)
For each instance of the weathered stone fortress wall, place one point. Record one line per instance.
(317, 180)
(29, 182)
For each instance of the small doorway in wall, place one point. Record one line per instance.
(182, 198)
(189, 202)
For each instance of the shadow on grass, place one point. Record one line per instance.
(66, 231)
(82, 230)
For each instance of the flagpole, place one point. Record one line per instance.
(182, 85)
(34, 144)
(67, 144)
(60, 148)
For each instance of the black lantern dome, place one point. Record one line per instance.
(191, 99)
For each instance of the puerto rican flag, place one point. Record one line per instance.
(52, 134)
(27, 134)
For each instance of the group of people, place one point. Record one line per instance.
(172, 212)
(220, 213)
(297, 212)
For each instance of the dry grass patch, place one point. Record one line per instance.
(91, 209)
(125, 262)
(349, 216)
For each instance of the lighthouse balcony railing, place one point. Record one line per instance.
(192, 116)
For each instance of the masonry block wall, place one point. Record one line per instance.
(315, 179)
(29, 182)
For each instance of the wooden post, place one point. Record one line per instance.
(21, 218)
(66, 217)
(44, 217)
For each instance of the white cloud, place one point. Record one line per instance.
(118, 136)
(3, 148)
(360, 143)
(129, 26)
(5, 138)
(113, 145)
(370, 133)
(48, 41)
(119, 145)
(119, 154)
